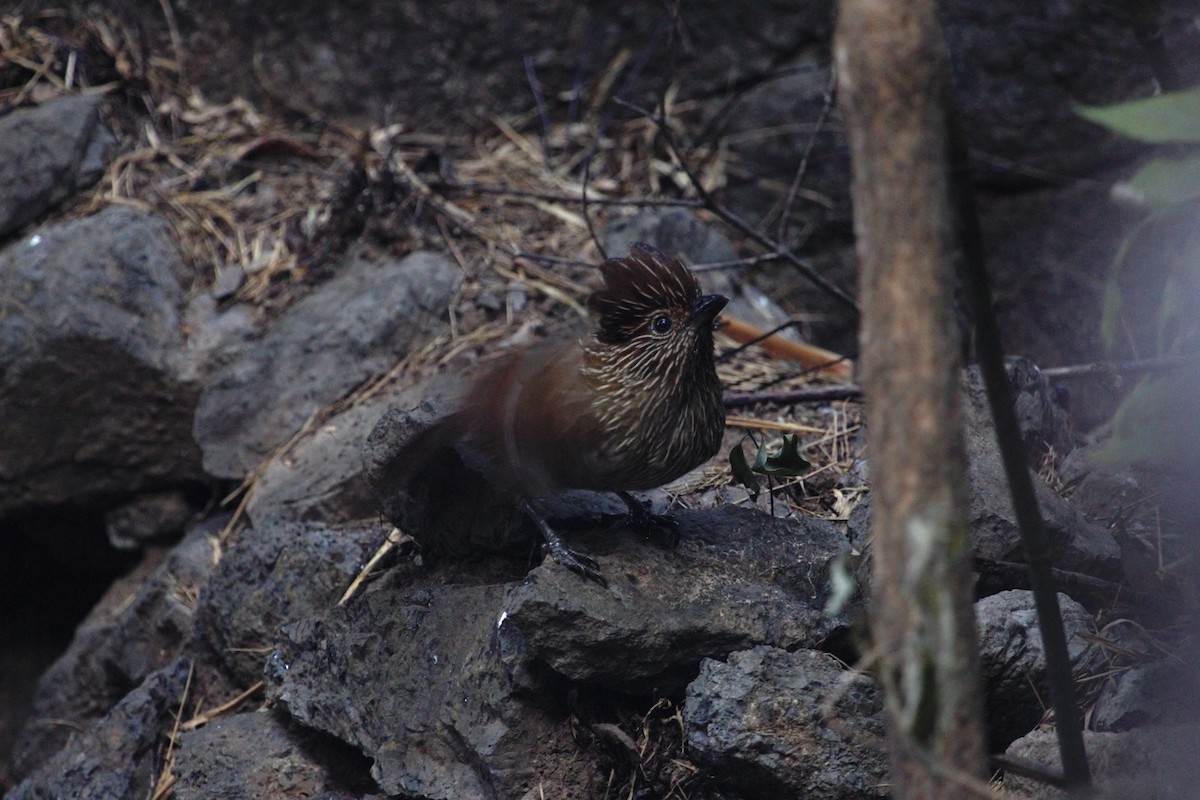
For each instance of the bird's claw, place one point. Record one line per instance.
(558, 550)
(575, 561)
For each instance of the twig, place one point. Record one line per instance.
(816, 394)
(554, 197)
(1028, 769)
(1071, 582)
(176, 40)
(734, 220)
(394, 539)
(540, 99)
(736, 263)
(816, 358)
(1035, 539)
(587, 218)
(808, 149)
(1110, 368)
(204, 717)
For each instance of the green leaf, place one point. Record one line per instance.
(1156, 424)
(742, 471)
(786, 463)
(1167, 181)
(1171, 117)
(1114, 296)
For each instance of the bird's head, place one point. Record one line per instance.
(651, 311)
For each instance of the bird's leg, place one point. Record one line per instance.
(576, 562)
(663, 527)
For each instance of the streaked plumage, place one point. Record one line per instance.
(634, 405)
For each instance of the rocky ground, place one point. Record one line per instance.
(224, 303)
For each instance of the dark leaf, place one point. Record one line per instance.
(742, 471)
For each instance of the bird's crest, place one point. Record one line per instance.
(636, 286)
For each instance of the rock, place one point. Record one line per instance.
(140, 626)
(321, 477)
(1076, 545)
(738, 579)
(676, 231)
(1157, 693)
(49, 153)
(118, 756)
(1157, 762)
(356, 325)
(147, 517)
(773, 724)
(273, 575)
(92, 403)
(798, 94)
(1014, 661)
(1100, 492)
(680, 232)
(1043, 422)
(258, 755)
(418, 682)
(1018, 73)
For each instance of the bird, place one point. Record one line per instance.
(631, 406)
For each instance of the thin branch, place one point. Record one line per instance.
(587, 218)
(1076, 584)
(736, 263)
(1028, 769)
(814, 394)
(1034, 538)
(540, 99)
(734, 220)
(484, 188)
(1110, 369)
(803, 168)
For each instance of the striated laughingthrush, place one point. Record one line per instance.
(634, 405)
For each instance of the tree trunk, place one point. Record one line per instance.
(893, 92)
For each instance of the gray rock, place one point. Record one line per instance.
(147, 517)
(1156, 762)
(1162, 692)
(321, 477)
(680, 232)
(118, 757)
(774, 724)
(1020, 69)
(676, 231)
(140, 626)
(354, 326)
(771, 127)
(1043, 422)
(419, 683)
(48, 154)
(1076, 544)
(91, 399)
(1014, 661)
(273, 575)
(738, 578)
(257, 755)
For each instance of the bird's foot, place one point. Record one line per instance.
(575, 561)
(662, 528)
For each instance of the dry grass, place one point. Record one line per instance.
(264, 207)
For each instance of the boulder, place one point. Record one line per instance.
(355, 326)
(769, 723)
(92, 399)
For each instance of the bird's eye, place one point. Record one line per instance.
(660, 324)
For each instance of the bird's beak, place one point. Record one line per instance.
(706, 309)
